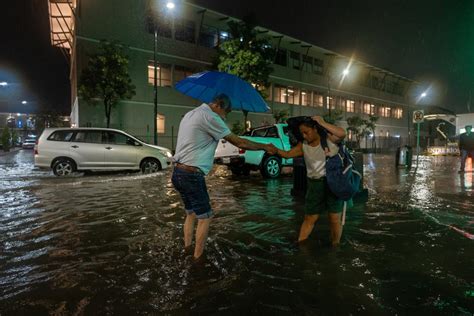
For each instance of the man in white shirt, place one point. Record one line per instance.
(199, 133)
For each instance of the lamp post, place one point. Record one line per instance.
(170, 6)
(409, 117)
(418, 131)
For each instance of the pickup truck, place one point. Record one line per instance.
(241, 161)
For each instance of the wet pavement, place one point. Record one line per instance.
(111, 244)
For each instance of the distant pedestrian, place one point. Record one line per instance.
(466, 146)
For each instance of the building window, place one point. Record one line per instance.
(318, 66)
(160, 122)
(181, 72)
(308, 63)
(340, 103)
(385, 111)
(280, 58)
(398, 113)
(330, 103)
(293, 95)
(305, 97)
(350, 106)
(318, 99)
(209, 36)
(295, 60)
(280, 94)
(185, 30)
(369, 109)
(163, 74)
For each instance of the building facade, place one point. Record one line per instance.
(306, 80)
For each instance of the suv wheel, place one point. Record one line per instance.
(64, 167)
(150, 165)
(271, 167)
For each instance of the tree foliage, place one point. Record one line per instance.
(6, 139)
(106, 78)
(246, 55)
(358, 127)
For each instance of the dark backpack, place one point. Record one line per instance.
(343, 180)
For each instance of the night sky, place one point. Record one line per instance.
(430, 41)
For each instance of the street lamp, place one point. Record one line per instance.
(24, 102)
(170, 6)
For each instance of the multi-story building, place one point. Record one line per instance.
(306, 80)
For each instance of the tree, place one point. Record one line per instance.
(358, 127)
(247, 56)
(14, 138)
(106, 78)
(371, 124)
(6, 139)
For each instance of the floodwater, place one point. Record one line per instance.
(112, 244)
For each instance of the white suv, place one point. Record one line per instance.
(66, 150)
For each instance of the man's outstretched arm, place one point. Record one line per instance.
(248, 144)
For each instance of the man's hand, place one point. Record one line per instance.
(319, 120)
(271, 149)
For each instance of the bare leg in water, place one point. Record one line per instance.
(336, 228)
(201, 236)
(189, 230)
(307, 227)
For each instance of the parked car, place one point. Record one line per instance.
(66, 150)
(241, 161)
(28, 143)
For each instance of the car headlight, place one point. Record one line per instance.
(166, 153)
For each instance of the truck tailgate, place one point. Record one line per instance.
(226, 149)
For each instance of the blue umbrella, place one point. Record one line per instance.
(204, 86)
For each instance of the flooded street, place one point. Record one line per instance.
(112, 244)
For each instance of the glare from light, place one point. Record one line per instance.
(24, 102)
(345, 72)
(423, 94)
(3, 83)
(170, 5)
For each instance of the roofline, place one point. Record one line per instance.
(327, 51)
